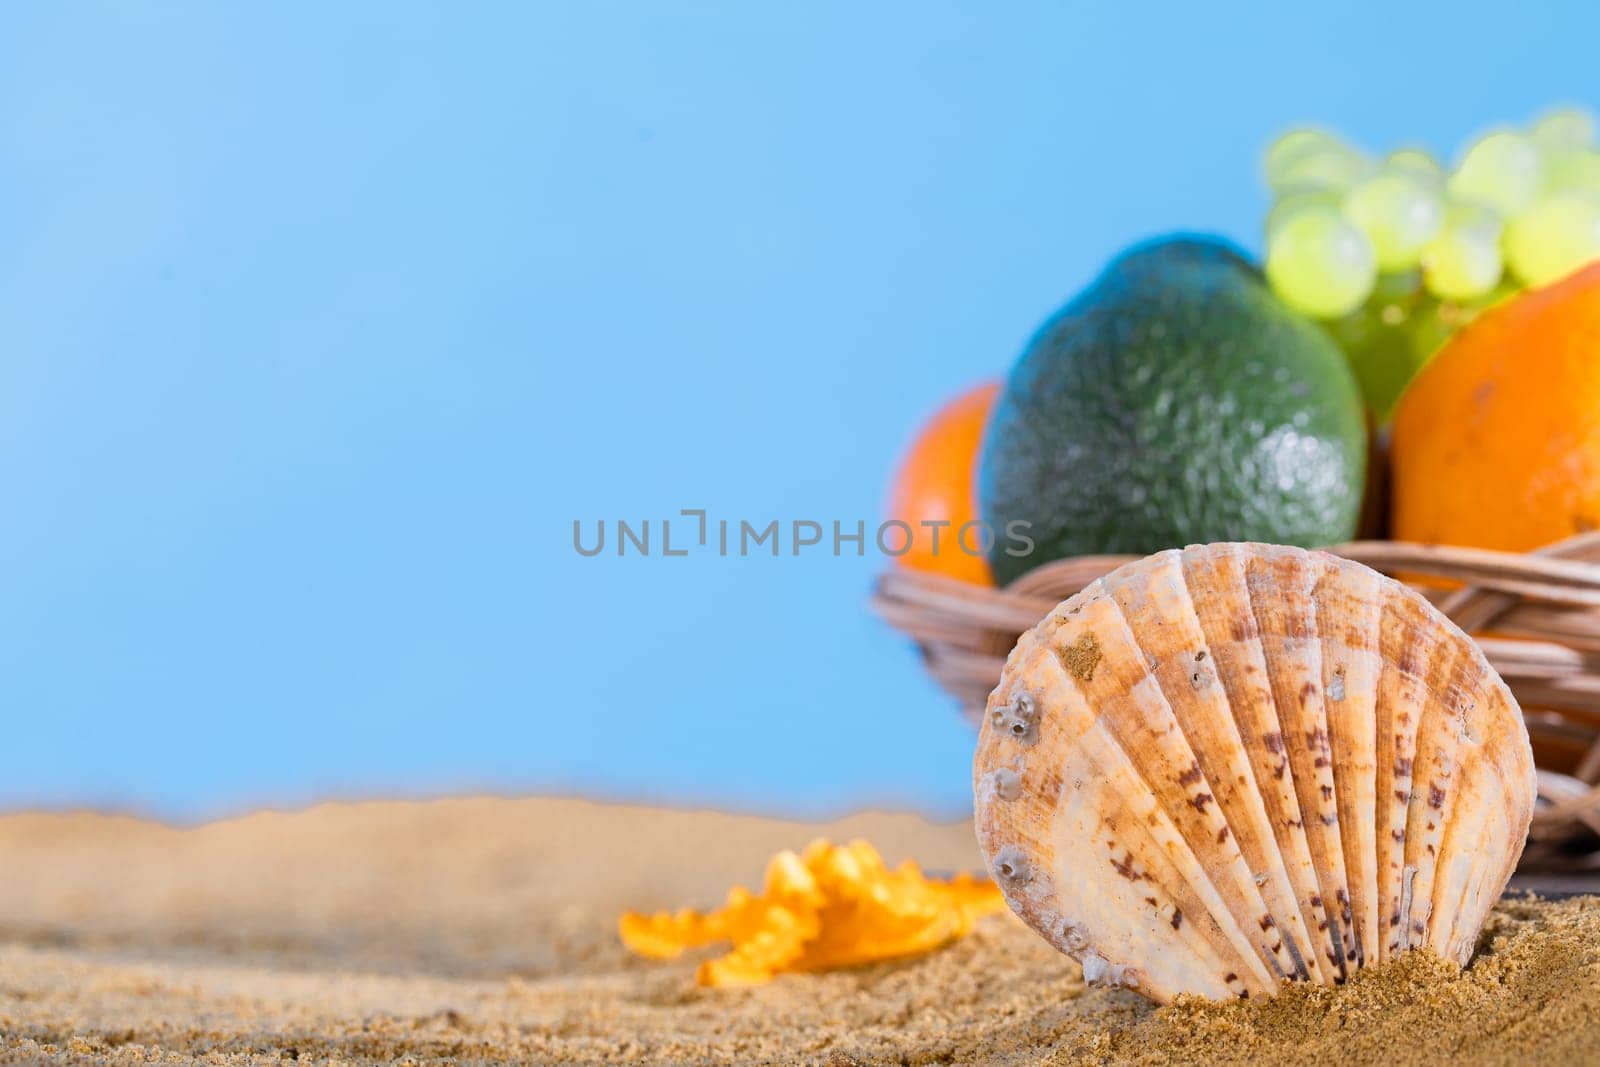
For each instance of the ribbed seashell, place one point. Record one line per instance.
(1219, 769)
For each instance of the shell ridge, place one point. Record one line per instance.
(1402, 644)
(1078, 784)
(1323, 915)
(1453, 724)
(1488, 777)
(1210, 946)
(1522, 789)
(1244, 882)
(1448, 754)
(1191, 875)
(1444, 921)
(1081, 929)
(1350, 676)
(1215, 945)
(1324, 836)
(1268, 862)
(1518, 782)
(1311, 566)
(1335, 749)
(1225, 562)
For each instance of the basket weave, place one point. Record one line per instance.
(1536, 616)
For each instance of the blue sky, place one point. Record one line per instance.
(324, 322)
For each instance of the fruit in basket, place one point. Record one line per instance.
(1463, 262)
(1400, 212)
(1174, 400)
(1519, 206)
(1558, 235)
(1497, 443)
(1381, 340)
(934, 490)
(1218, 768)
(1320, 263)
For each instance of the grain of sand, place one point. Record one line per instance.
(482, 930)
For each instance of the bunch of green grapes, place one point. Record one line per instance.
(1394, 254)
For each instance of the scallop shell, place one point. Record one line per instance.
(1219, 769)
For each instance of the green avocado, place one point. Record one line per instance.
(1175, 401)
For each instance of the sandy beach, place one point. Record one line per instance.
(483, 929)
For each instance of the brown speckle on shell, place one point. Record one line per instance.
(1082, 658)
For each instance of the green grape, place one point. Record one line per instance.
(1333, 166)
(1295, 201)
(1563, 139)
(1564, 129)
(1463, 262)
(1377, 341)
(1396, 293)
(1466, 215)
(1399, 214)
(1574, 170)
(1292, 145)
(1320, 263)
(1501, 171)
(1557, 236)
(1415, 163)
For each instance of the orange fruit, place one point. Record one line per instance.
(1497, 442)
(937, 482)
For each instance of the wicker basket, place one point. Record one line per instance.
(1536, 616)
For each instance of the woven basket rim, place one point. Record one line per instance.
(1535, 615)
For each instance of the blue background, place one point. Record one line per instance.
(323, 322)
